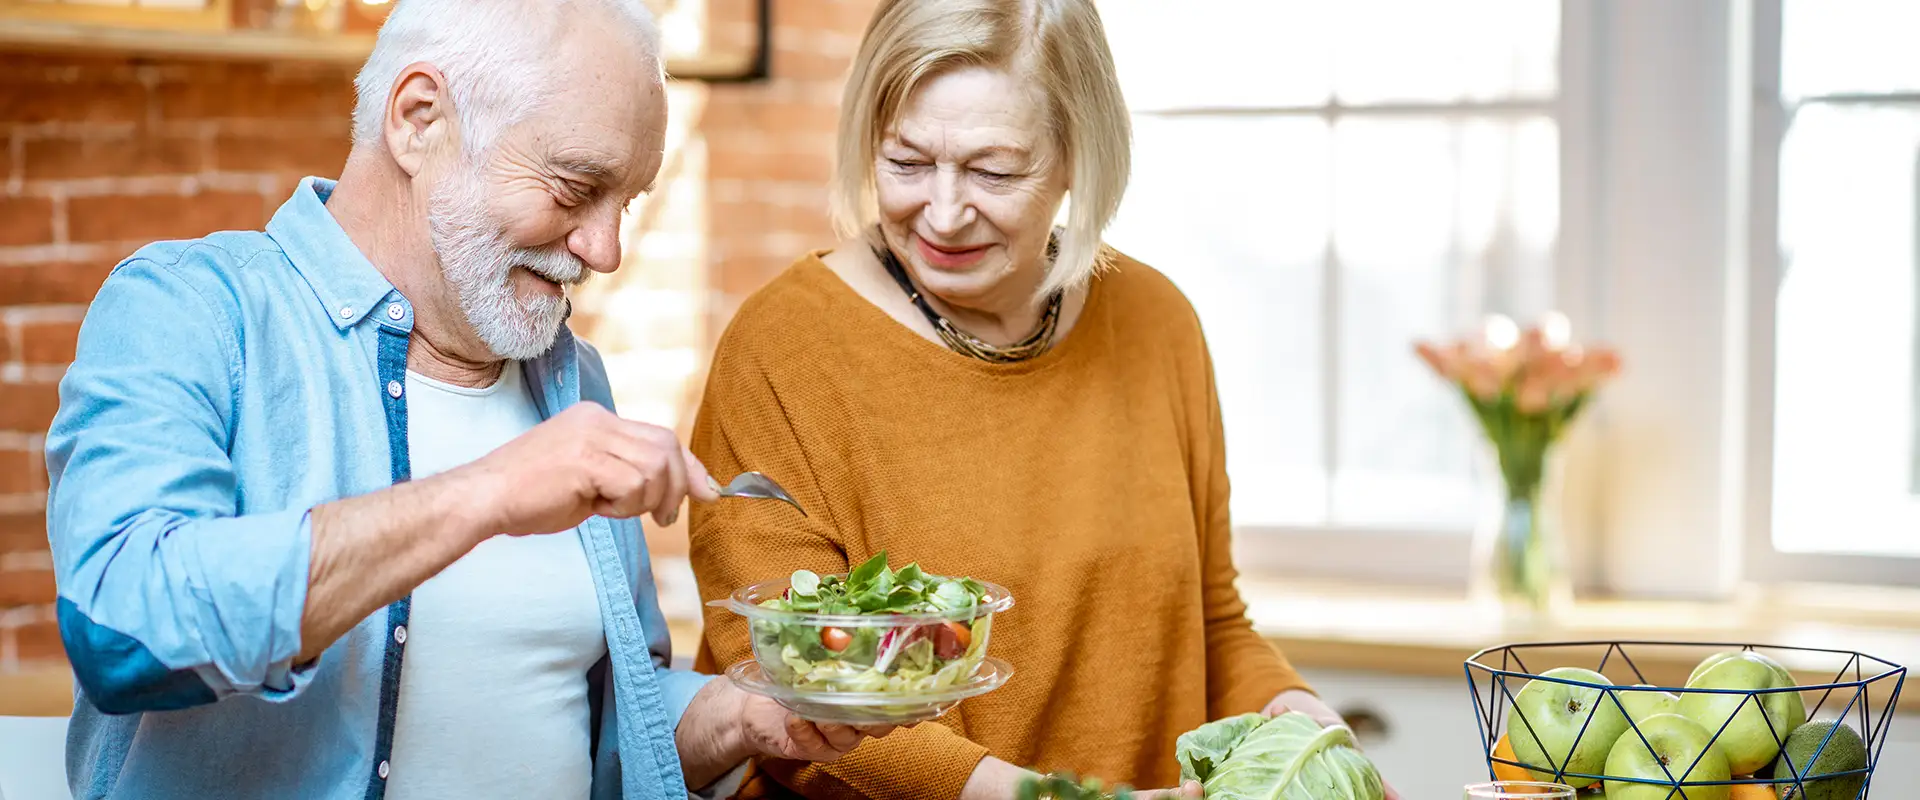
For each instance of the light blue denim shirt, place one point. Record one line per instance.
(223, 387)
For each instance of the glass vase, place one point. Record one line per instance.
(1519, 566)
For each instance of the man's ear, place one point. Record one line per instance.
(420, 116)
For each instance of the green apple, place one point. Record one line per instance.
(1680, 750)
(1844, 752)
(1712, 660)
(1648, 702)
(1752, 738)
(1751, 655)
(1546, 725)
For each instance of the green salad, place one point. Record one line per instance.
(913, 656)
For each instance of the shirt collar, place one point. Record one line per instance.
(343, 280)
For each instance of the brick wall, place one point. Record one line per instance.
(103, 154)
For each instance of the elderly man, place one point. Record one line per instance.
(339, 509)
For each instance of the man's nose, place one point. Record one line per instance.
(597, 240)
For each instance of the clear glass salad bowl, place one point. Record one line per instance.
(871, 708)
(831, 654)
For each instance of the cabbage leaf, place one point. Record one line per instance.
(1288, 757)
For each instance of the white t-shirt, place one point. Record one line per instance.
(493, 689)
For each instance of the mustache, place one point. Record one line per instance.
(553, 263)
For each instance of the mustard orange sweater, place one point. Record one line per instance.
(1090, 481)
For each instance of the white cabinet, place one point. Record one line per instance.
(1430, 745)
(1897, 775)
(33, 758)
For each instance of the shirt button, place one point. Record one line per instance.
(400, 634)
(384, 769)
(394, 311)
(393, 388)
(346, 312)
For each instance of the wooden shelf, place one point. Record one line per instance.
(43, 692)
(44, 36)
(36, 35)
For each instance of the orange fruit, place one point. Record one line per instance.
(1751, 791)
(1508, 772)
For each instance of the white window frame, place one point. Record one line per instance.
(1670, 125)
(1763, 562)
(1432, 556)
(1662, 254)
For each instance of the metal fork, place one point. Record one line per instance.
(755, 486)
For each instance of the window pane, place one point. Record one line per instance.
(1844, 409)
(1834, 46)
(1420, 50)
(1243, 233)
(1436, 223)
(1266, 53)
(1221, 53)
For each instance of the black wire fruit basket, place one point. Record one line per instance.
(1586, 715)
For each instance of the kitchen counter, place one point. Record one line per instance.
(1428, 633)
(1432, 633)
(1396, 655)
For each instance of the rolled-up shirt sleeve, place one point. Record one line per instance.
(677, 688)
(168, 596)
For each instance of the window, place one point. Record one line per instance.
(1327, 188)
(1846, 368)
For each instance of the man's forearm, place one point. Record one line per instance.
(373, 549)
(710, 736)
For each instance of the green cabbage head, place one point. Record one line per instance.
(1288, 757)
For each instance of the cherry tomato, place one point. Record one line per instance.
(951, 639)
(963, 631)
(835, 639)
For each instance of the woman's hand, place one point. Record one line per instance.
(1187, 791)
(1306, 703)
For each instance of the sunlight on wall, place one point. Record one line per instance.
(649, 319)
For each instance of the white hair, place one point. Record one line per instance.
(1059, 46)
(493, 54)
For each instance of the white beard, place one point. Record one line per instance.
(476, 258)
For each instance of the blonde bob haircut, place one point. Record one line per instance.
(1059, 45)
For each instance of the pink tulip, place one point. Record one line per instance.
(1457, 354)
(1434, 359)
(1543, 363)
(1537, 364)
(1449, 362)
(1562, 372)
(1484, 380)
(1597, 367)
(1533, 345)
(1534, 396)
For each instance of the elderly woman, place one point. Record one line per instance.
(960, 384)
